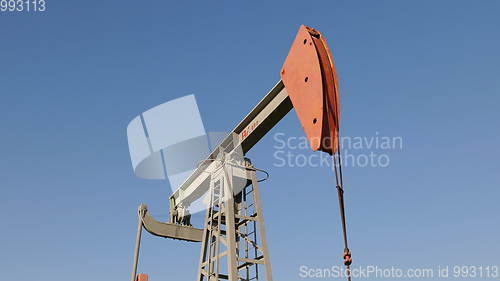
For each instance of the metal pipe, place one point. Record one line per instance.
(137, 245)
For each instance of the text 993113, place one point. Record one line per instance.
(23, 5)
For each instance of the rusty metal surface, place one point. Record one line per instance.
(301, 74)
(331, 96)
(142, 277)
(309, 77)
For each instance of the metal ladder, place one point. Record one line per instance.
(234, 245)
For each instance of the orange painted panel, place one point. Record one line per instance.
(301, 74)
(310, 79)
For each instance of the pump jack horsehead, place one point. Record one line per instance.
(233, 239)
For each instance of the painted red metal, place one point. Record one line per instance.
(310, 79)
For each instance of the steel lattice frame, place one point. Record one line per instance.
(234, 241)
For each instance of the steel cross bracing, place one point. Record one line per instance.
(234, 245)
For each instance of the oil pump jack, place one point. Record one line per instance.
(233, 237)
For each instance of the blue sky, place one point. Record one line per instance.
(71, 79)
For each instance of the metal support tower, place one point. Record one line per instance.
(234, 245)
(233, 238)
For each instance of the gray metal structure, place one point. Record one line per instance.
(234, 222)
(263, 117)
(234, 243)
(233, 239)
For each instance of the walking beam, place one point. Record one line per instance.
(308, 84)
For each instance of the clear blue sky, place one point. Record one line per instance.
(72, 78)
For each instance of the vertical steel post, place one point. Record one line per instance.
(260, 220)
(137, 244)
(232, 258)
